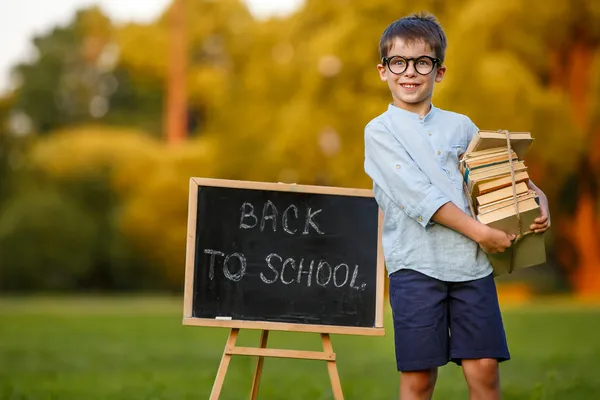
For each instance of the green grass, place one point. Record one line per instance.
(136, 348)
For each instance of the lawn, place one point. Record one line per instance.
(133, 348)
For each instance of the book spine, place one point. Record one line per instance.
(466, 175)
(488, 165)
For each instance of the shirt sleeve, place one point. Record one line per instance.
(471, 129)
(392, 169)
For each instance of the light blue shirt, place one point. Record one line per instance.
(413, 162)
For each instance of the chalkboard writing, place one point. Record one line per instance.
(285, 256)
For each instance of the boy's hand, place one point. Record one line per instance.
(541, 223)
(494, 240)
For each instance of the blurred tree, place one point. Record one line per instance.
(135, 189)
(14, 144)
(313, 86)
(219, 39)
(539, 75)
(58, 87)
(104, 169)
(76, 78)
(309, 88)
(287, 99)
(5, 148)
(155, 217)
(46, 241)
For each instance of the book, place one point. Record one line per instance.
(505, 218)
(488, 179)
(490, 159)
(501, 194)
(476, 178)
(481, 153)
(468, 158)
(496, 169)
(528, 251)
(503, 203)
(483, 140)
(495, 183)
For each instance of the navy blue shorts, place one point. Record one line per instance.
(436, 321)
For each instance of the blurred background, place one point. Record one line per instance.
(108, 107)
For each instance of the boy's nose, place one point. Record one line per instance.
(410, 69)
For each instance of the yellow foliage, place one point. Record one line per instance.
(155, 217)
(151, 179)
(143, 49)
(82, 151)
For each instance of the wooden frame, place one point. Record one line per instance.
(231, 349)
(377, 330)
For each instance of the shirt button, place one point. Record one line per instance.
(401, 207)
(438, 152)
(429, 133)
(397, 166)
(420, 219)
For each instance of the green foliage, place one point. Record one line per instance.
(102, 169)
(135, 189)
(5, 149)
(46, 241)
(76, 78)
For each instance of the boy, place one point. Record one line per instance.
(442, 291)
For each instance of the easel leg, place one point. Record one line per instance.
(259, 364)
(336, 386)
(218, 385)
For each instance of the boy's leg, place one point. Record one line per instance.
(477, 338)
(420, 312)
(483, 378)
(417, 385)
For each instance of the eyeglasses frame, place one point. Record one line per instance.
(436, 61)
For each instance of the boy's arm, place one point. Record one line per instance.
(396, 174)
(394, 171)
(542, 222)
(491, 240)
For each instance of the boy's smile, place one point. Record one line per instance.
(411, 90)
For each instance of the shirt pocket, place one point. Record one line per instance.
(457, 150)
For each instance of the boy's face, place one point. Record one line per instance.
(411, 91)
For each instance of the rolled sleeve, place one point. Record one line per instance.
(432, 202)
(393, 170)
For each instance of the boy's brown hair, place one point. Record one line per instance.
(421, 26)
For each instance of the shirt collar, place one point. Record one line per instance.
(414, 116)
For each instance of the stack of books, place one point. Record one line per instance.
(491, 188)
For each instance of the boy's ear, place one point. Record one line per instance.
(381, 70)
(441, 71)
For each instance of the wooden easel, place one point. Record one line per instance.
(231, 349)
(226, 318)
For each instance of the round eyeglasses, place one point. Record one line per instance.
(423, 64)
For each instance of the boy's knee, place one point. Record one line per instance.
(419, 382)
(483, 371)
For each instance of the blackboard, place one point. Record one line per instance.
(280, 256)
